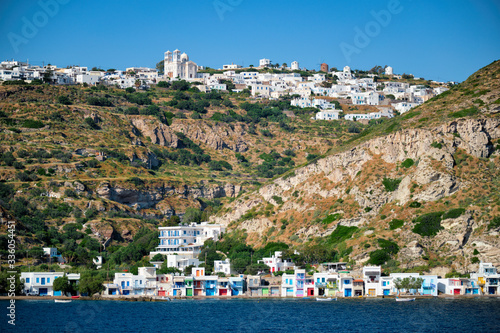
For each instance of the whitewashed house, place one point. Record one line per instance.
(223, 266)
(185, 241)
(327, 115)
(42, 283)
(276, 263)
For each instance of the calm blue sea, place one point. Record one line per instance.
(240, 315)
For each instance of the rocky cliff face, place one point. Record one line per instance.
(355, 176)
(216, 136)
(161, 198)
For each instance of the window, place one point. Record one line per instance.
(27, 280)
(37, 280)
(48, 280)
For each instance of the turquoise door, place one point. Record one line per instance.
(57, 293)
(348, 292)
(386, 292)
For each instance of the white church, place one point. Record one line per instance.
(179, 66)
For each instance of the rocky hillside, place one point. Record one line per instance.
(426, 183)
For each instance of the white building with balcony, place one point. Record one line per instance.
(294, 285)
(487, 278)
(186, 240)
(223, 266)
(327, 115)
(264, 62)
(276, 263)
(127, 284)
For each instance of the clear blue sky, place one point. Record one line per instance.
(441, 40)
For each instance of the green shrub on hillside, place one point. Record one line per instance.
(415, 204)
(464, 113)
(437, 145)
(330, 218)
(30, 123)
(407, 163)
(341, 233)
(396, 224)
(428, 224)
(391, 185)
(453, 213)
(495, 223)
(278, 200)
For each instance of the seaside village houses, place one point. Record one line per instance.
(180, 247)
(383, 99)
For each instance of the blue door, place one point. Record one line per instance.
(123, 284)
(348, 292)
(43, 281)
(175, 292)
(386, 292)
(43, 291)
(57, 293)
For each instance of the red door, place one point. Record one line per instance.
(223, 292)
(161, 293)
(310, 292)
(456, 291)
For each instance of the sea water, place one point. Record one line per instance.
(252, 315)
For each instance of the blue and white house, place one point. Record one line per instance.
(41, 283)
(237, 285)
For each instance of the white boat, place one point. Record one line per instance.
(404, 299)
(62, 301)
(322, 299)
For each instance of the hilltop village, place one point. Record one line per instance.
(325, 89)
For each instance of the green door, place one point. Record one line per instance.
(265, 291)
(189, 292)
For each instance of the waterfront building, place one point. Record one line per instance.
(223, 288)
(42, 283)
(294, 284)
(458, 286)
(487, 278)
(237, 285)
(346, 286)
(371, 276)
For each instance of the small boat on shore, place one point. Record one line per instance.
(322, 299)
(404, 299)
(62, 301)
